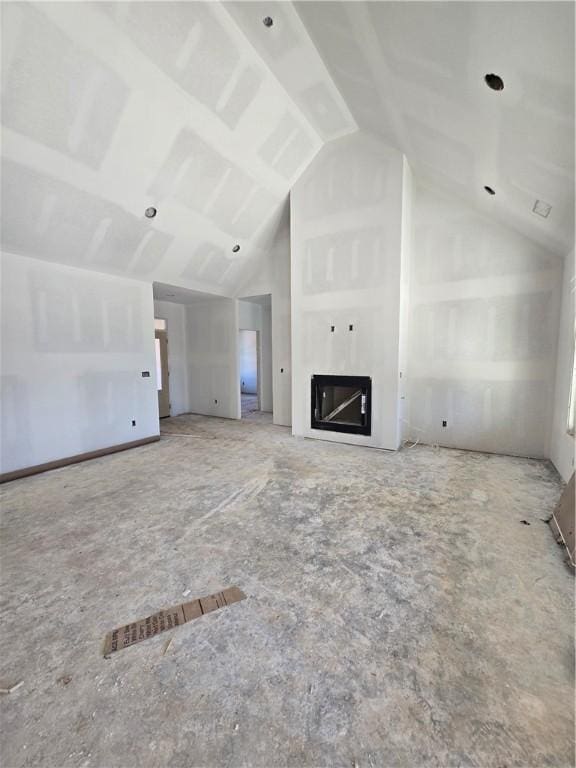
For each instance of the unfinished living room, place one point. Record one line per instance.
(287, 384)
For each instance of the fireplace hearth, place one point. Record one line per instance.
(342, 404)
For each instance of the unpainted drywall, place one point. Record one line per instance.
(281, 328)
(248, 350)
(404, 330)
(213, 370)
(266, 385)
(562, 443)
(346, 242)
(271, 275)
(74, 346)
(175, 316)
(413, 74)
(109, 108)
(483, 329)
(249, 316)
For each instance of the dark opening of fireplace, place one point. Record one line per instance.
(342, 404)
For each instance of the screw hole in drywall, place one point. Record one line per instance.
(350, 327)
(268, 21)
(332, 328)
(490, 190)
(216, 402)
(444, 423)
(281, 370)
(133, 422)
(150, 213)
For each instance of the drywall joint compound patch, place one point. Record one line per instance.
(169, 618)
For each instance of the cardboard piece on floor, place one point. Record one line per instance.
(563, 522)
(169, 618)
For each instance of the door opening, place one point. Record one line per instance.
(162, 374)
(249, 372)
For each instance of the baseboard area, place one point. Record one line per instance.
(16, 474)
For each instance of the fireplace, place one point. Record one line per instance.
(342, 404)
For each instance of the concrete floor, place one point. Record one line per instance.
(249, 405)
(398, 612)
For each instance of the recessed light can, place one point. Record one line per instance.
(494, 82)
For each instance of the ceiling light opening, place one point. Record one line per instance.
(494, 82)
(490, 190)
(236, 248)
(268, 21)
(150, 213)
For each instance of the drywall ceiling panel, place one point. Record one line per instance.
(49, 219)
(414, 74)
(186, 40)
(110, 108)
(55, 92)
(286, 48)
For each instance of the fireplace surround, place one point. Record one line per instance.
(342, 404)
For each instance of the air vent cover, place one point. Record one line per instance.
(542, 209)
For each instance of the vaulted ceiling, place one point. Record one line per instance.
(413, 73)
(205, 113)
(111, 108)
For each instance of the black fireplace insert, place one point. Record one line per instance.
(342, 404)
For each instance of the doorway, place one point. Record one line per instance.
(162, 374)
(249, 372)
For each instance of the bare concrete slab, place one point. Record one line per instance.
(398, 611)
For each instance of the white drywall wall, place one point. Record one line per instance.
(281, 328)
(561, 443)
(405, 264)
(346, 227)
(74, 345)
(213, 369)
(483, 329)
(271, 274)
(175, 316)
(266, 376)
(248, 362)
(249, 316)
